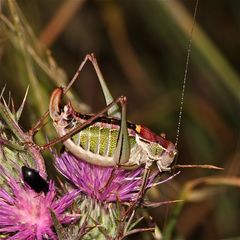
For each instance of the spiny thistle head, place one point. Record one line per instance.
(26, 209)
(103, 191)
(26, 214)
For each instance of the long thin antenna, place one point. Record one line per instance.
(185, 75)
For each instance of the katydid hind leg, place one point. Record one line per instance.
(114, 110)
(86, 58)
(122, 151)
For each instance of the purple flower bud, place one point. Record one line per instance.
(26, 214)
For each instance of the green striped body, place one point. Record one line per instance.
(103, 140)
(96, 144)
(99, 140)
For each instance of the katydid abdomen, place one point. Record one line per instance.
(96, 144)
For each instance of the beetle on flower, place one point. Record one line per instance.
(26, 214)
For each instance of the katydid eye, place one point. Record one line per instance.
(33, 179)
(171, 154)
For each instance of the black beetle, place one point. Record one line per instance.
(34, 180)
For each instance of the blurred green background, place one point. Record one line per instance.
(141, 47)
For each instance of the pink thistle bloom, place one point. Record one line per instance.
(25, 214)
(105, 184)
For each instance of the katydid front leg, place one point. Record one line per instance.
(141, 192)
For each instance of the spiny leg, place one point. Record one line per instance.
(141, 192)
(106, 185)
(114, 110)
(122, 154)
(87, 57)
(122, 151)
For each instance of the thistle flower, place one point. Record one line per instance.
(105, 184)
(25, 214)
(100, 188)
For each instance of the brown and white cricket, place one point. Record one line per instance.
(108, 140)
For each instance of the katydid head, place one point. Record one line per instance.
(167, 158)
(157, 149)
(163, 156)
(61, 116)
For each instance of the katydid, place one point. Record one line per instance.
(108, 140)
